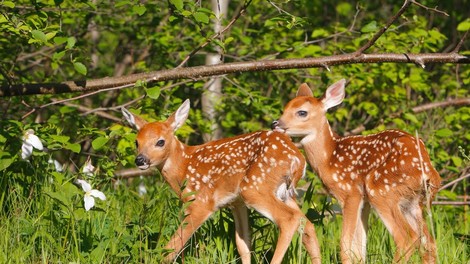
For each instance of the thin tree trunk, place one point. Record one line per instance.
(213, 87)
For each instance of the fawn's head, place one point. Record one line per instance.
(304, 111)
(155, 140)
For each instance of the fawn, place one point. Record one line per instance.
(258, 170)
(390, 171)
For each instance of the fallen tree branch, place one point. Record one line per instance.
(197, 72)
(453, 102)
(461, 178)
(134, 172)
(454, 203)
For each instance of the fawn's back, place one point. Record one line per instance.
(224, 168)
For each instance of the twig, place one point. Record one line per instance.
(308, 42)
(430, 9)
(383, 29)
(86, 110)
(461, 178)
(75, 98)
(459, 45)
(216, 35)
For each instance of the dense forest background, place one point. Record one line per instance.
(58, 41)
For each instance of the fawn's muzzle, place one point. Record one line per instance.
(142, 162)
(275, 124)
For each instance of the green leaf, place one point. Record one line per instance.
(39, 35)
(99, 142)
(60, 40)
(5, 163)
(320, 32)
(371, 27)
(122, 3)
(67, 109)
(228, 40)
(153, 92)
(344, 8)
(50, 35)
(457, 161)
(444, 132)
(201, 17)
(186, 13)
(411, 117)
(58, 55)
(75, 147)
(60, 139)
(464, 25)
(80, 68)
(177, 3)
(219, 43)
(8, 4)
(448, 194)
(71, 42)
(59, 197)
(139, 9)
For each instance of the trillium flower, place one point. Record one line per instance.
(88, 169)
(57, 165)
(90, 194)
(30, 141)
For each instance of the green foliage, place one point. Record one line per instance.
(43, 218)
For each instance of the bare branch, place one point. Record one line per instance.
(134, 172)
(86, 110)
(461, 178)
(430, 9)
(226, 68)
(453, 102)
(456, 203)
(459, 45)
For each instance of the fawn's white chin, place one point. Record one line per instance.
(278, 129)
(144, 167)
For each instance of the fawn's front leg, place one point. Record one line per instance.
(196, 214)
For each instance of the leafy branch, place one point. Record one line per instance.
(227, 68)
(197, 72)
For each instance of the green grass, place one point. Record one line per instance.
(43, 221)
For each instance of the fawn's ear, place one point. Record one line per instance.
(304, 90)
(178, 118)
(334, 95)
(132, 119)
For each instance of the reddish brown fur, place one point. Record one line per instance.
(383, 170)
(259, 170)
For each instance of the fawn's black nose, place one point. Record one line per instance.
(274, 124)
(141, 160)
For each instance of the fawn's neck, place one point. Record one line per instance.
(319, 147)
(175, 166)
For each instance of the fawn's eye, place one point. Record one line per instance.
(302, 113)
(160, 143)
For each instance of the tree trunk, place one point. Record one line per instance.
(213, 87)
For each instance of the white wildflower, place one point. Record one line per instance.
(30, 141)
(88, 169)
(90, 194)
(57, 165)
